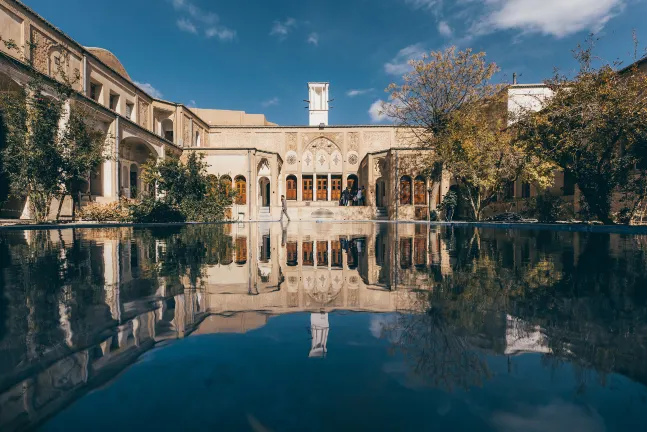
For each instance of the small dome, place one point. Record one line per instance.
(110, 59)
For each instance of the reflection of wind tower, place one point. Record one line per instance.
(319, 329)
(318, 103)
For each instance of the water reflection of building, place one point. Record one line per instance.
(319, 329)
(309, 267)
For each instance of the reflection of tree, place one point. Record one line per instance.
(584, 293)
(187, 252)
(434, 350)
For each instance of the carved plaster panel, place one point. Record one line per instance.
(142, 114)
(291, 141)
(379, 167)
(353, 141)
(335, 137)
(376, 140)
(321, 161)
(336, 161)
(323, 144)
(291, 160)
(353, 158)
(307, 161)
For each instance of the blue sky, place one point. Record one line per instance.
(258, 55)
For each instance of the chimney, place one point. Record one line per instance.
(514, 78)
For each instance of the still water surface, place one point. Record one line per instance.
(322, 327)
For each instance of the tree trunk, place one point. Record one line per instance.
(60, 207)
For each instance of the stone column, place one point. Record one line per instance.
(299, 177)
(314, 187)
(329, 185)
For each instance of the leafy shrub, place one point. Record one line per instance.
(149, 210)
(433, 216)
(115, 211)
(624, 216)
(546, 208)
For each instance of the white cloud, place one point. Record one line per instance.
(444, 29)
(148, 88)
(270, 102)
(358, 92)
(425, 4)
(194, 11)
(558, 18)
(222, 33)
(281, 29)
(187, 26)
(375, 112)
(313, 38)
(192, 104)
(197, 20)
(400, 63)
(559, 415)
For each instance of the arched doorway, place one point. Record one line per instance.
(380, 193)
(353, 182)
(133, 153)
(134, 180)
(264, 191)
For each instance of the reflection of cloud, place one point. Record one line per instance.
(556, 417)
(383, 325)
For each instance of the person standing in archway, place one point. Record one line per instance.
(284, 209)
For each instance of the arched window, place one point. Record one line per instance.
(405, 190)
(291, 188)
(241, 190)
(225, 181)
(419, 191)
(167, 129)
(197, 139)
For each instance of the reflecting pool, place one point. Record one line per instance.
(265, 327)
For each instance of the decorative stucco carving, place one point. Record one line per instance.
(334, 137)
(353, 141)
(291, 141)
(353, 158)
(40, 53)
(291, 157)
(323, 144)
(376, 140)
(142, 114)
(378, 167)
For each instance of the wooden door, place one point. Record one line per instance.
(291, 193)
(307, 189)
(336, 189)
(322, 189)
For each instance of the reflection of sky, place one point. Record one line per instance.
(264, 379)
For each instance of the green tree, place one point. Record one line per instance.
(84, 150)
(41, 157)
(594, 127)
(453, 109)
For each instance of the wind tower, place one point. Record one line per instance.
(318, 103)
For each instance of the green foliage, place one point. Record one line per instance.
(546, 208)
(111, 212)
(150, 210)
(594, 127)
(449, 203)
(187, 188)
(38, 157)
